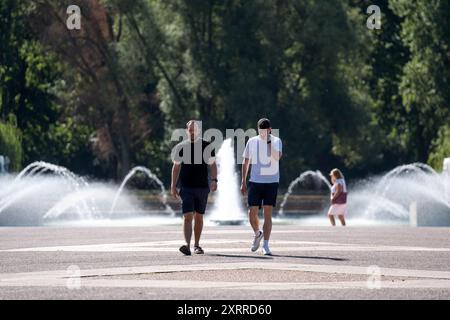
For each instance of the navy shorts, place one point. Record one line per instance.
(262, 194)
(194, 199)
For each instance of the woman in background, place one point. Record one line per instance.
(338, 197)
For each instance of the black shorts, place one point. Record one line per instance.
(194, 199)
(262, 194)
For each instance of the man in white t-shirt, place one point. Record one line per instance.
(263, 152)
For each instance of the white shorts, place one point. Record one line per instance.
(337, 210)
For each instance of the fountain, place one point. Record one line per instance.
(24, 202)
(411, 194)
(227, 208)
(44, 193)
(316, 175)
(17, 191)
(416, 188)
(383, 186)
(150, 175)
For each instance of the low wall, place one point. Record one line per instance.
(296, 204)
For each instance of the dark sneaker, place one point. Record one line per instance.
(185, 250)
(198, 250)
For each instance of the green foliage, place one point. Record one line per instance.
(233, 62)
(30, 83)
(342, 95)
(387, 59)
(440, 148)
(11, 145)
(425, 84)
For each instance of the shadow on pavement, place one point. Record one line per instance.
(239, 256)
(315, 258)
(275, 256)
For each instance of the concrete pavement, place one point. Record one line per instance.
(144, 263)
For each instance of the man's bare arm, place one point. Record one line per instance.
(245, 166)
(213, 168)
(175, 173)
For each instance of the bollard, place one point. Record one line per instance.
(413, 214)
(446, 175)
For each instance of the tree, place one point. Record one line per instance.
(29, 80)
(107, 97)
(387, 58)
(440, 148)
(103, 80)
(11, 145)
(233, 62)
(425, 84)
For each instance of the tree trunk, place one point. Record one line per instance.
(123, 130)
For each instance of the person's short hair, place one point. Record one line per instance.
(337, 174)
(264, 123)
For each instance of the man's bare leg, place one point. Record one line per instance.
(187, 227)
(198, 227)
(267, 227)
(187, 230)
(254, 222)
(253, 218)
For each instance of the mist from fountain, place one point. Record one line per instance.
(39, 168)
(67, 206)
(227, 202)
(45, 193)
(404, 185)
(316, 175)
(151, 176)
(389, 197)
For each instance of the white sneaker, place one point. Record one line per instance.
(266, 251)
(257, 241)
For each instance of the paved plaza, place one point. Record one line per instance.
(144, 263)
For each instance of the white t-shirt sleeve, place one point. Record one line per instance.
(246, 154)
(343, 184)
(278, 145)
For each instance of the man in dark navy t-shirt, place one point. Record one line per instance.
(191, 159)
